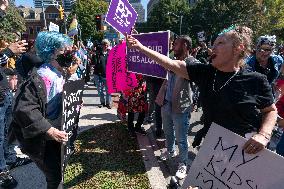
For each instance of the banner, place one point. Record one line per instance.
(53, 27)
(118, 79)
(140, 63)
(121, 15)
(72, 101)
(222, 163)
(73, 29)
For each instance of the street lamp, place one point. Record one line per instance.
(180, 20)
(43, 10)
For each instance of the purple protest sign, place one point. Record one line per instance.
(121, 15)
(139, 63)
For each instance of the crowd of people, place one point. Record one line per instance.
(237, 86)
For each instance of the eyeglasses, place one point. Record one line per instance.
(264, 50)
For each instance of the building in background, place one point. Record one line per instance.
(139, 9)
(35, 22)
(67, 4)
(38, 3)
(150, 6)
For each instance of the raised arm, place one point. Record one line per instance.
(177, 66)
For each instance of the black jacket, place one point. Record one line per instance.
(29, 124)
(100, 64)
(4, 85)
(26, 63)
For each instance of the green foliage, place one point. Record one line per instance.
(106, 157)
(86, 10)
(13, 22)
(212, 16)
(274, 18)
(161, 21)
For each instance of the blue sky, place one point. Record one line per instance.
(29, 3)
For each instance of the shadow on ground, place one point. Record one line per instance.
(106, 158)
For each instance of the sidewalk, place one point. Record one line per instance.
(29, 176)
(159, 172)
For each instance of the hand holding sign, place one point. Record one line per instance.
(133, 43)
(143, 50)
(256, 143)
(59, 136)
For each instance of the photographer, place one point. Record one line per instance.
(8, 157)
(38, 107)
(100, 74)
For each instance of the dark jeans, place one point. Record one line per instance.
(158, 117)
(7, 152)
(280, 146)
(139, 123)
(153, 87)
(51, 165)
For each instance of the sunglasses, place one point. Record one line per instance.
(264, 50)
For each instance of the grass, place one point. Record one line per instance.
(106, 158)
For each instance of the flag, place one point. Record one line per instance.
(73, 29)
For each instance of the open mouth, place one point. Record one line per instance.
(213, 56)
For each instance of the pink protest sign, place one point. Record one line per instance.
(118, 79)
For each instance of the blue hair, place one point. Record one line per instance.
(48, 42)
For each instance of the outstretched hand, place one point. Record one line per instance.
(18, 47)
(133, 43)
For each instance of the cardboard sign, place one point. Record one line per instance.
(140, 63)
(121, 15)
(222, 163)
(72, 101)
(53, 27)
(201, 36)
(118, 79)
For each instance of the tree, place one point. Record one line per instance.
(160, 20)
(86, 10)
(274, 15)
(212, 16)
(12, 23)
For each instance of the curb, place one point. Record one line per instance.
(150, 152)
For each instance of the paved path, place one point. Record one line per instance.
(29, 176)
(159, 172)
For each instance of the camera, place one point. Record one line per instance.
(66, 59)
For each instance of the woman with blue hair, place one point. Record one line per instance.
(37, 109)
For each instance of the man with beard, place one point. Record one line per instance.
(175, 97)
